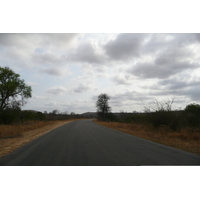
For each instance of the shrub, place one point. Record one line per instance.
(172, 119)
(161, 113)
(192, 114)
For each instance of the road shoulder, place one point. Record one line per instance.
(8, 145)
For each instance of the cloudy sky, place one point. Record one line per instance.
(68, 71)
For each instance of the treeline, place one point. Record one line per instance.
(10, 116)
(52, 116)
(161, 116)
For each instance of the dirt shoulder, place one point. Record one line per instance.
(7, 145)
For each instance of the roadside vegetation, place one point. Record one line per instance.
(14, 121)
(160, 123)
(17, 130)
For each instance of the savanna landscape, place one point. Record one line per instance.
(126, 102)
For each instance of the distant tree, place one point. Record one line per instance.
(102, 106)
(55, 112)
(13, 90)
(65, 113)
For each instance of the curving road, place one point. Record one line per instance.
(85, 143)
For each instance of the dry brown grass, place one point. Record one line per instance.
(186, 139)
(15, 136)
(9, 131)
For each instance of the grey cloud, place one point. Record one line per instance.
(128, 101)
(154, 43)
(57, 90)
(55, 64)
(126, 96)
(125, 46)
(177, 88)
(53, 71)
(157, 41)
(182, 39)
(57, 39)
(182, 88)
(197, 36)
(14, 39)
(86, 53)
(161, 68)
(120, 80)
(48, 59)
(170, 53)
(193, 93)
(173, 55)
(6, 39)
(81, 88)
(150, 70)
(174, 84)
(49, 39)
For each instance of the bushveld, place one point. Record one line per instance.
(179, 129)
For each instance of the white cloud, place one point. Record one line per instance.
(129, 67)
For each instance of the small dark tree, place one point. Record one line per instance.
(55, 112)
(102, 106)
(13, 90)
(193, 114)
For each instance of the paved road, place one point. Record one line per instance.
(84, 143)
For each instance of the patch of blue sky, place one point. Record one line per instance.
(40, 50)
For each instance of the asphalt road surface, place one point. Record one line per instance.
(85, 143)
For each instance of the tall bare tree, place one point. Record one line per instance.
(102, 106)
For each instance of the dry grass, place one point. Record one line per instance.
(9, 131)
(187, 139)
(15, 136)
